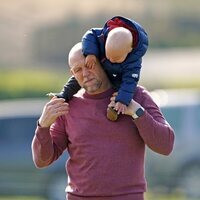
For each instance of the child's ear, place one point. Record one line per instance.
(130, 49)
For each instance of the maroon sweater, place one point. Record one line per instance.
(106, 159)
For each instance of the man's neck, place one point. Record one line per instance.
(103, 88)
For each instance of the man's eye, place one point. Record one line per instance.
(76, 70)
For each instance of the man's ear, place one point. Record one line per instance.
(71, 72)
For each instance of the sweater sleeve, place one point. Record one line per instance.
(49, 143)
(155, 131)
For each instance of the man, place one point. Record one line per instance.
(106, 159)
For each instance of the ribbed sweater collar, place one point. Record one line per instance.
(102, 95)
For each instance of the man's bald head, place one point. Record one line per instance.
(75, 54)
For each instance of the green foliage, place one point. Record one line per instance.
(30, 83)
(20, 83)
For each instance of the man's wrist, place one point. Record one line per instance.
(138, 113)
(39, 124)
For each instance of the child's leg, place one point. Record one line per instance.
(69, 89)
(111, 112)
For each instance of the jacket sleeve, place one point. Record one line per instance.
(155, 131)
(90, 42)
(49, 143)
(130, 78)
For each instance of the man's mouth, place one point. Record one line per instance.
(86, 82)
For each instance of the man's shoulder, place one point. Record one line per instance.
(140, 89)
(140, 92)
(80, 93)
(77, 99)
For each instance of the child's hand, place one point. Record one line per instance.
(90, 61)
(120, 108)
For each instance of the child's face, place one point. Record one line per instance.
(117, 58)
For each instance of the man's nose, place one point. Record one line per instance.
(85, 71)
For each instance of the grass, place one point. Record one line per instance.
(20, 83)
(151, 196)
(30, 82)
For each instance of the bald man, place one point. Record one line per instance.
(106, 159)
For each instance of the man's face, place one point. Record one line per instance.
(91, 79)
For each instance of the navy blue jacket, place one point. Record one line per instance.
(125, 75)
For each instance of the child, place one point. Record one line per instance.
(119, 46)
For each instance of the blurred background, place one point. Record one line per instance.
(35, 38)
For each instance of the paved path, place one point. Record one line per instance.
(21, 107)
(171, 64)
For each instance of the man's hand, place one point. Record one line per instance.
(53, 109)
(90, 61)
(132, 108)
